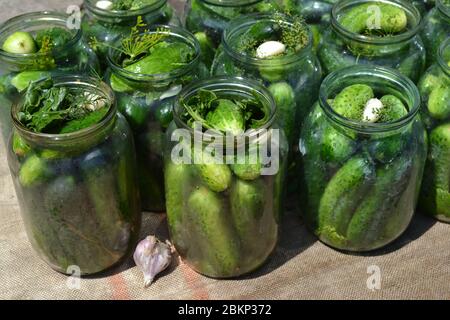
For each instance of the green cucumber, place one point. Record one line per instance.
(439, 103)
(216, 176)
(393, 19)
(217, 238)
(341, 197)
(247, 207)
(284, 97)
(351, 101)
(33, 171)
(366, 228)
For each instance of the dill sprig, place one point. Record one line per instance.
(136, 44)
(294, 36)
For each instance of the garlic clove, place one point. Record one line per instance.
(104, 5)
(172, 92)
(152, 256)
(95, 101)
(270, 49)
(372, 110)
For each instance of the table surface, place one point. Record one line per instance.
(416, 266)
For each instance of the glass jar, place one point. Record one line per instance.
(361, 180)
(107, 25)
(77, 192)
(17, 70)
(434, 88)
(403, 51)
(436, 28)
(146, 102)
(213, 16)
(231, 232)
(293, 79)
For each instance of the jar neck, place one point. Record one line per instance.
(32, 22)
(443, 9)
(237, 28)
(77, 140)
(443, 57)
(230, 3)
(120, 16)
(412, 13)
(226, 87)
(176, 33)
(383, 81)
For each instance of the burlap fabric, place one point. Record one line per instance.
(415, 266)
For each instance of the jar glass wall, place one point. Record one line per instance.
(435, 93)
(372, 33)
(436, 28)
(361, 180)
(146, 102)
(70, 55)
(223, 218)
(77, 191)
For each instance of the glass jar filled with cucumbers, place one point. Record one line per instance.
(436, 29)
(363, 149)
(33, 46)
(383, 33)
(434, 88)
(146, 83)
(224, 169)
(275, 50)
(107, 20)
(72, 161)
(211, 17)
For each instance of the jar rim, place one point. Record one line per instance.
(20, 21)
(91, 7)
(247, 21)
(172, 31)
(95, 86)
(382, 73)
(404, 36)
(231, 3)
(441, 54)
(237, 84)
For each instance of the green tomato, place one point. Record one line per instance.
(20, 43)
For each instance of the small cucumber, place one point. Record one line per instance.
(33, 171)
(439, 103)
(285, 100)
(351, 101)
(216, 176)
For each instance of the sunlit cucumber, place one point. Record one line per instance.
(217, 238)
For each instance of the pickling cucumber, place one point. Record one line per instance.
(217, 238)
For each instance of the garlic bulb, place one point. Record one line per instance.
(152, 256)
(270, 49)
(372, 110)
(104, 5)
(172, 92)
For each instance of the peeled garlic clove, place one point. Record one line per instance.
(172, 92)
(152, 257)
(104, 5)
(95, 101)
(372, 110)
(270, 49)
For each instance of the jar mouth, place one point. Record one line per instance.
(36, 21)
(91, 85)
(240, 25)
(412, 13)
(444, 56)
(225, 86)
(231, 3)
(386, 80)
(442, 7)
(172, 32)
(91, 7)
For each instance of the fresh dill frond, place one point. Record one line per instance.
(295, 36)
(120, 5)
(136, 44)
